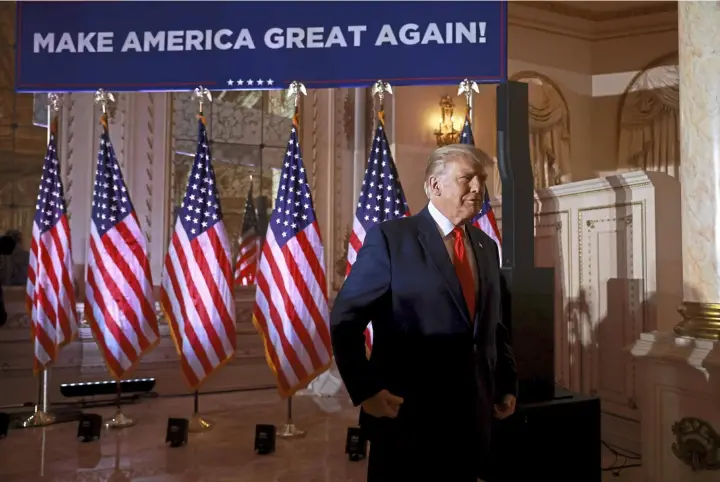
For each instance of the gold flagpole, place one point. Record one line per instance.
(197, 422)
(467, 87)
(42, 416)
(380, 88)
(290, 430)
(120, 420)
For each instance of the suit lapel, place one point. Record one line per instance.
(481, 265)
(433, 245)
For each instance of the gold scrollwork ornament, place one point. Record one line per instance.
(341, 263)
(697, 444)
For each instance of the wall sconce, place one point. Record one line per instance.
(446, 132)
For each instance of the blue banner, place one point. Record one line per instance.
(146, 46)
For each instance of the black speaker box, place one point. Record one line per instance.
(4, 424)
(89, 427)
(355, 444)
(265, 439)
(528, 292)
(551, 441)
(177, 432)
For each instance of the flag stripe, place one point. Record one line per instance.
(183, 319)
(198, 292)
(291, 367)
(282, 289)
(65, 297)
(105, 328)
(116, 303)
(130, 302)
(100, 330)
(307, 288)
(271, 338)
(216, 243)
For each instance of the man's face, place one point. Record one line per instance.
(459, 190)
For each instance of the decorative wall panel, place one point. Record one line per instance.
(611, 271)
(616, 277)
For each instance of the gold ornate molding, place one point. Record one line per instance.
(697, 444)
(594, 20)
(341, 261)
(349, 117)
(314, 148)
(343, 135)
(700, 320)
(621, 11)
(150, 140)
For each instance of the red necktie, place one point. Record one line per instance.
(464, 273)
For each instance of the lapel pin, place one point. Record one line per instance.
(480, 244)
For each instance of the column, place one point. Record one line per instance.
(699, 44)
(78, 147)
(678, 375)
(147, 147)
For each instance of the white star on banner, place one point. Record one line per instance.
(260, 84)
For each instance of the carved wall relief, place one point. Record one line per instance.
(549, 117)
(649, 118)
(697, 444)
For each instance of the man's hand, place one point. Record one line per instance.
(506, 408)
(384, 404)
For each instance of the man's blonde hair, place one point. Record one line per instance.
(440, 157)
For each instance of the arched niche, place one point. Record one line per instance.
(549, 123)
(649, 118)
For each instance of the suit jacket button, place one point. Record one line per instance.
(474, 348)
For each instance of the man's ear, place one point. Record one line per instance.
(434, 184)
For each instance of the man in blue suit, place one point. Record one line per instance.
(441, 365)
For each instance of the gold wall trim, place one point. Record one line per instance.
(697, 444)
(620, 12)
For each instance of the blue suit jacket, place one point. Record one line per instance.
(448, 365)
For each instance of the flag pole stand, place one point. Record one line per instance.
(197, 422)
(289, 430)
(42, 416)
(120, 420)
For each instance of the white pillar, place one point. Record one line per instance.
(679, 376)
(699, 44)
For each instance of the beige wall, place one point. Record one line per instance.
(570, 62)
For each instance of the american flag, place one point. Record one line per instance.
(196, 292)
(247, 259)
(291, 306)
(50, 296)
(485, 219)
(381, 198)
(119, 302)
